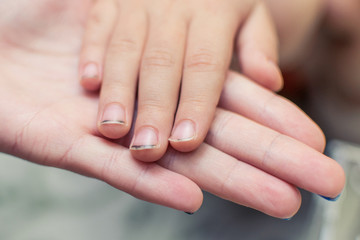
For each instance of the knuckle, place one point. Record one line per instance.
(203, 61)
(198, 100)
(267, 157)
(123, 45)
(101, 17)
(158, 58)
(96, 17)
(154, 105)
(224, 122)
(97, 14)
(116, 87)
(92, 43)
(200, 103)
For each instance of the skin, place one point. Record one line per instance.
(48, 119)
(158, 43)
(171, 46)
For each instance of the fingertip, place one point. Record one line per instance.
(113, 129)
(262, 70)
(91, 84)
(258, 49)
(316, 139)
(193, 200)
(112, 121)
(276, 81)
(287, 204)
(146, 144)
(187, 196)
(90, 78)
(305, 130)
(335, 181)
(184, 146)
(184, 137)
(269, 75)
(146, 154)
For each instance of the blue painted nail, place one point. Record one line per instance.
(189, 213)
(331, 199)
(287, 219)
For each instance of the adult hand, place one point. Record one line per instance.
(253, 159)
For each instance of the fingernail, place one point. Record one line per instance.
(287, 219)
(91, 70)
(145, 138)
(113, 113)
(184, 131)
(189, 213)
(331, 199)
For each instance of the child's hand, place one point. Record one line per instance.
(171, 45)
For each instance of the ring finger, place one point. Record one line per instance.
(207, 59)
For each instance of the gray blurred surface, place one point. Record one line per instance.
(341, 219)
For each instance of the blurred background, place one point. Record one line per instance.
(42, 203)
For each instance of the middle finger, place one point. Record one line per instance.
(160, 76)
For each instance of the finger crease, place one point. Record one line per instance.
(269, 150)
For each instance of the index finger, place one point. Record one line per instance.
(285, 138)
(245, 97)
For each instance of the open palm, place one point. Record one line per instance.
(47, 118)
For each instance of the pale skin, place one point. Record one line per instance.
(47, 119)
(171, 46)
